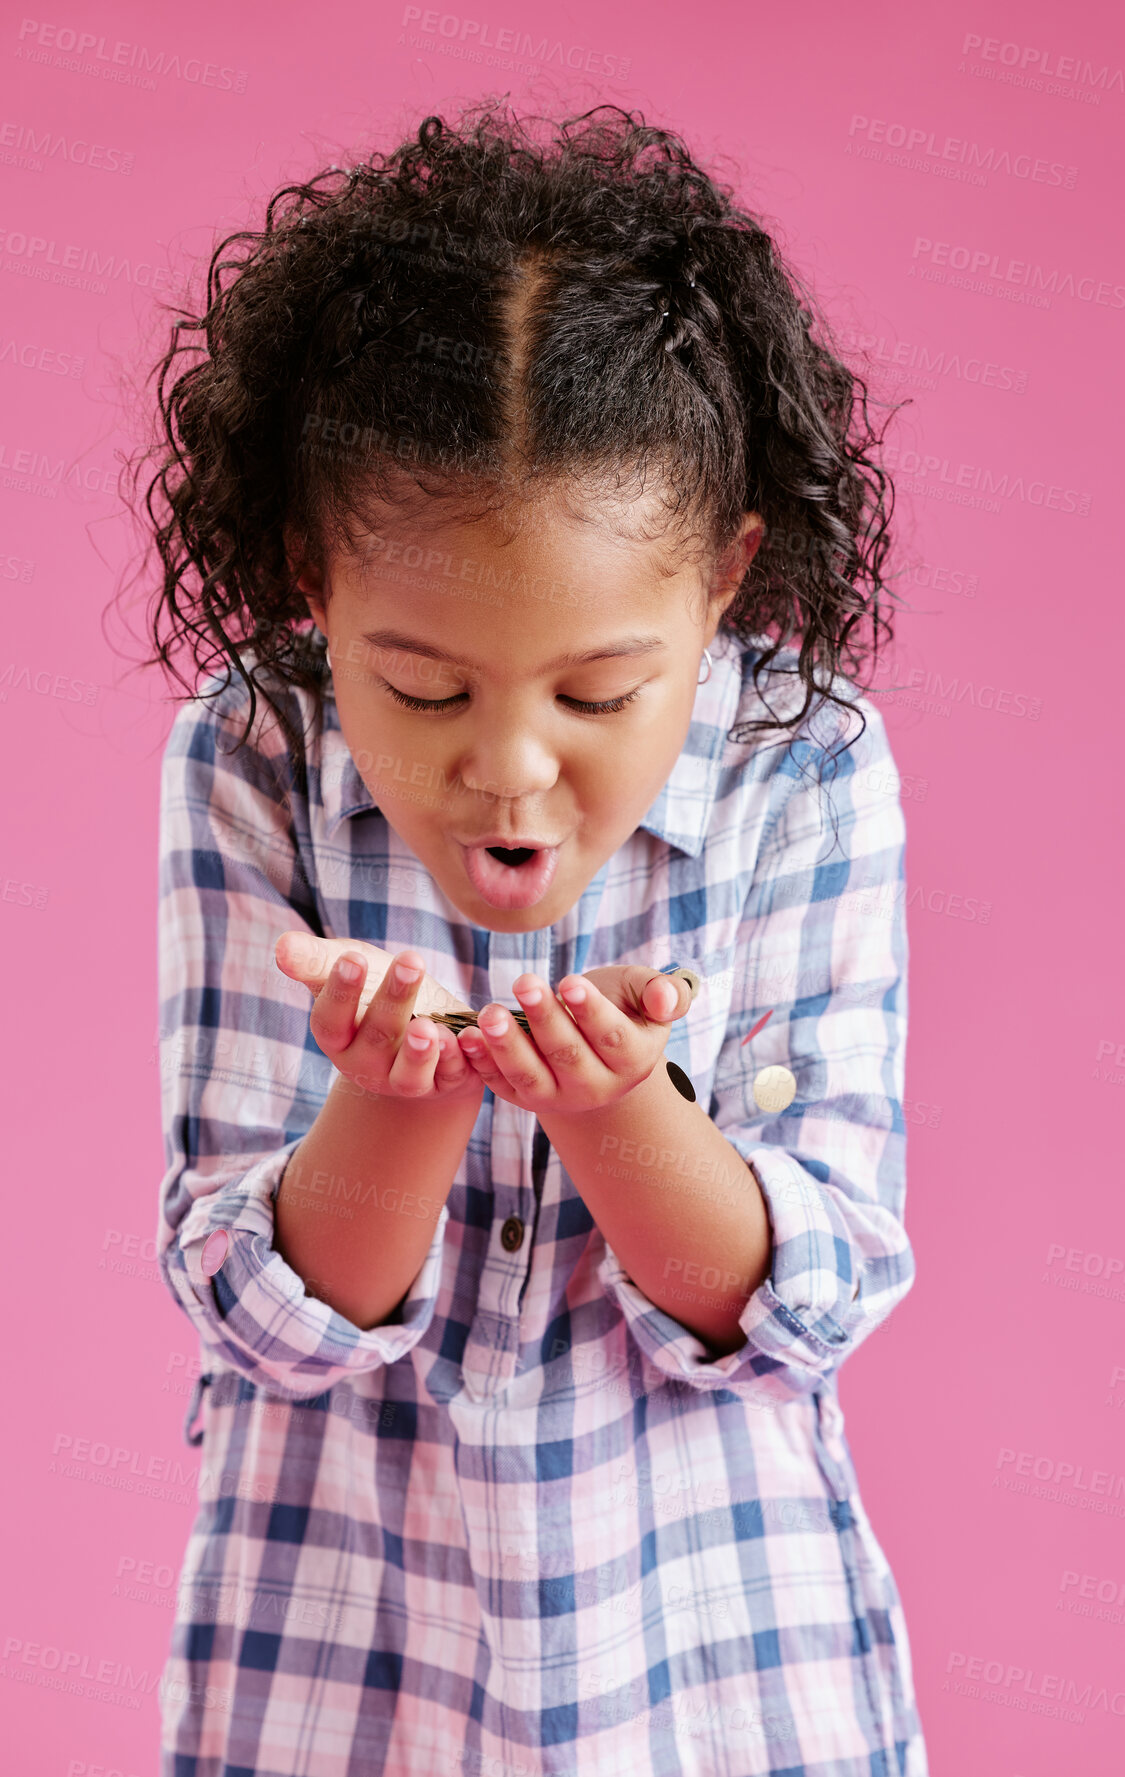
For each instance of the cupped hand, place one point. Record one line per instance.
(309, 959)
(600, 1037)
(372, 1027)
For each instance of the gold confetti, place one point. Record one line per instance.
(774, 1088)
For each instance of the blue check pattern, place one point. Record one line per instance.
(536, 1526)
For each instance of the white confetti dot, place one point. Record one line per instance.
(774, 1088)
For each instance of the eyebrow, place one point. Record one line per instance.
(629, 645)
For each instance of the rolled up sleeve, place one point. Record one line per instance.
(242, 1079)
(822, 948)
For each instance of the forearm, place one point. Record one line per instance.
(675, 1201)
(361, 1196)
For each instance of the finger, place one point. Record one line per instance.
(606, 1030)
(476, 1051)
(657, 997)
(554, 1032)
(304, 957)
(412, 1072)
(452, 1062)
(308, 959)
(662, 997)
(512, 1051)
(383, 1025)
(333, 1016)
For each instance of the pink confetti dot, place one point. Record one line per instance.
(215, 1249)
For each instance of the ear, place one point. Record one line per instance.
(309, 579)
(730, 570)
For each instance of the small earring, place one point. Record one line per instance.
(327, 657)
(707, 674)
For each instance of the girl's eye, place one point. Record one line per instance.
(445, 703)
(420, 703)
(602, 709)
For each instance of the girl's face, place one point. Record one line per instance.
(455, 660)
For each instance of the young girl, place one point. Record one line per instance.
(515, 489)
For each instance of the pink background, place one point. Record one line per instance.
(1000, 1382)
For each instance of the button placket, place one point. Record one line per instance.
(492, 1348)
(512, 954)
(540, 1161)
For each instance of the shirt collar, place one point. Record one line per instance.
(681, 812)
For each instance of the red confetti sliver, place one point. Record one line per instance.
(757, 1027)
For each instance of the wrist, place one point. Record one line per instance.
(645, 1098)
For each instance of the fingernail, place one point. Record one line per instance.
(573, 993)
(496, 1023)
(417, 1041)
(529, 996)
(348, 970)
(406, 975)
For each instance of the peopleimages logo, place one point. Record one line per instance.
(957, 479)
(131, 64)
(981, 264)
(1046, 64)
(68, 262)
(507, 47)
(1051, 1692)
(955, 151)
(899, 356)
(40, 146)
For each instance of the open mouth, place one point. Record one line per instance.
(515, 858)
(509, 877)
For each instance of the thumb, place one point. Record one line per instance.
(667, 997)
(304, 957)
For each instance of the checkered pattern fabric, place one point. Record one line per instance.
(536, 1525)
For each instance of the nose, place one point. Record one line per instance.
(506, 761)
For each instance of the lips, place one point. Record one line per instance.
(510, 886)
(506, 841)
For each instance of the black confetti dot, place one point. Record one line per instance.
(680, 1081)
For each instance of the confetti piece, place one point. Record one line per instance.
(757, 1027)
(774, 1088)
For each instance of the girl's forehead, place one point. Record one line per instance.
(535, 647)
(438, 590)
(600, 517)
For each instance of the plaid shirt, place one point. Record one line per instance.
(537, 1525)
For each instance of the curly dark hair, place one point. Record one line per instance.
(665, 326)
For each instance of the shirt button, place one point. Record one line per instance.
(215, 1249)
(511, 1234)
